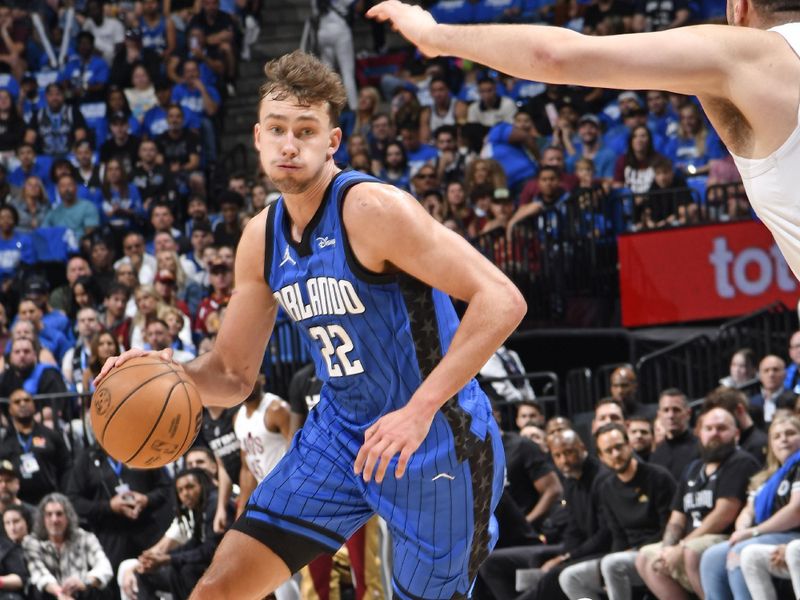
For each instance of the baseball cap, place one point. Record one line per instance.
(589, 118)
(629, 96)
(118, 117)
(36, 286)
(7, 467)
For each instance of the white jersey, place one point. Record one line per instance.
(262, 448)
(772, 182)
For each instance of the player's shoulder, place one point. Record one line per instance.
(375, 202)
(254, 236)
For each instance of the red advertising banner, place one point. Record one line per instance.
(706, 272)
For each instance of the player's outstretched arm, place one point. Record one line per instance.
(389, 229)
(689, 60)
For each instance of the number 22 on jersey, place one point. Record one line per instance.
(340, 365)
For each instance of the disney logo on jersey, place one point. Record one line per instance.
(324, 242)
(319, 297)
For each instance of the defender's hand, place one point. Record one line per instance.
(401, 431)
(412, 22)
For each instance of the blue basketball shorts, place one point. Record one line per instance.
(440, 513)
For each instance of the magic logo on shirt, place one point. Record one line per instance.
(319, 296)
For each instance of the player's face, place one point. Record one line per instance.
(295, 143)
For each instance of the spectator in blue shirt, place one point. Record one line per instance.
(16, 250)
(395, 166)
(50, 336)
(30, 165)
(121, 204)
(695, 143)
(37, 290)
(199, 103)
(549, 198)
(516, 148)
(417, 153)
(78, 215)
(196, 99)
(591, 147)
(85, 76)
(617, 140)
(155, 119)
(660, 117)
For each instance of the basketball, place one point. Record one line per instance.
(146, 413)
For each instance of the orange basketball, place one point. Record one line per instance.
(146, 413)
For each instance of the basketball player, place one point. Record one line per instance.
(366, 273)
(747, 78)
(262, 429)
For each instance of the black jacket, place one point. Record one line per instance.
(587, 533)
(51, 455)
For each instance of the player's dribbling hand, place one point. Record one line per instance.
(400, 431)
(116, 361)
(412, 22)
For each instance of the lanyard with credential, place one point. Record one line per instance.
(116, 466)
(25, 444)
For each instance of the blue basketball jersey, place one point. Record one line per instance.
(374, 337)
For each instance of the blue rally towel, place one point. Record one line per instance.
(766, 497)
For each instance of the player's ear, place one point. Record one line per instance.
(335, 141)
(256, 135)
(741, 10)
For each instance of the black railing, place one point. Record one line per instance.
(764, 331)
(545, 385)
(580, 395)
(564, 259)
(687, 365)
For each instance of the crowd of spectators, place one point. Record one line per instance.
(111, 236)
(669, 496)
(485, 152)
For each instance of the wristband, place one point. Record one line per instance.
(2, 583)
(755, 532)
